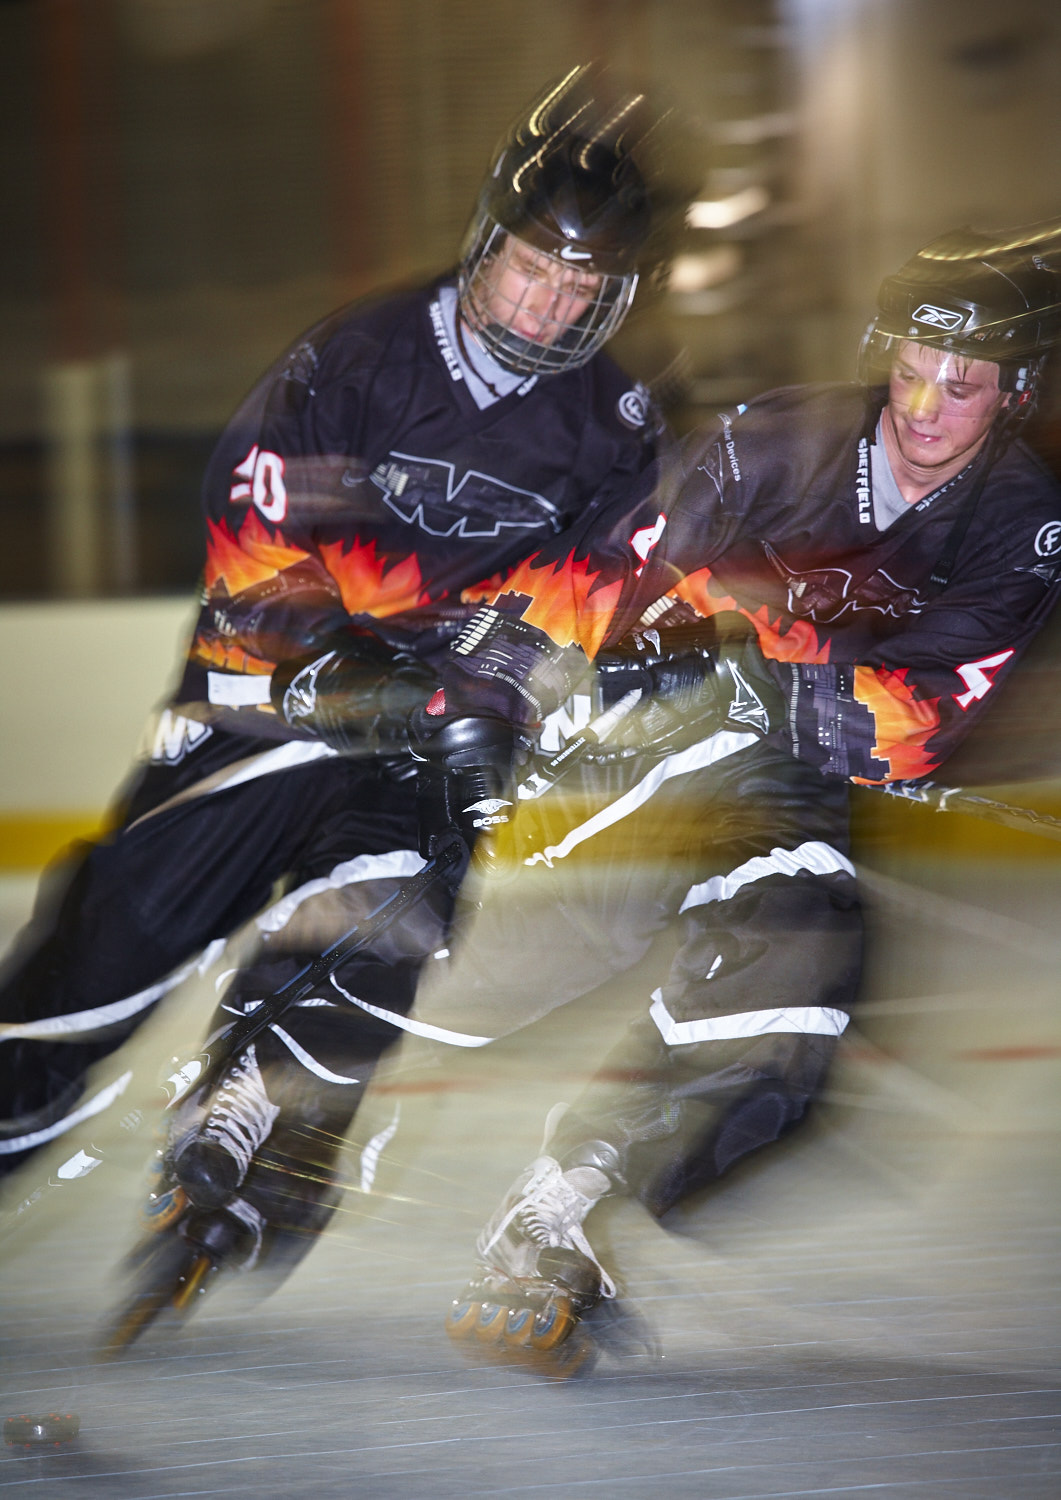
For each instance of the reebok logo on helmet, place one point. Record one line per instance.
(938, 317)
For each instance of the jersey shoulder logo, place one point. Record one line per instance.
(633, 406)
(1048, 539)
(301, 367)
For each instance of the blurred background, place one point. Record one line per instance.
(189, 183)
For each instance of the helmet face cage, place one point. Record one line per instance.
(534, 311)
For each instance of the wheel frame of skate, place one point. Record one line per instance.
(174, 1293)
(524, 1318)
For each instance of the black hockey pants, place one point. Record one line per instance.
(738, 848)
(120, 923)
(746, 852)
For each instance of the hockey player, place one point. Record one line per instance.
(827, 587)
(399, 454)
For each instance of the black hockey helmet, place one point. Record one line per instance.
(565, 182)
(993, 297)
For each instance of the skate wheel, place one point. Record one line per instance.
(490, 1323)
(34, 1432)
(552, 1325)
(462, 1318)
(519, 1325)
(159, 1213)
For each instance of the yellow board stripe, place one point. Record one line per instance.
(28, 842)
(898, 827)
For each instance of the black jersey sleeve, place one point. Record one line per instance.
(899, 710)
(276, 475)
(874, 705)
(891, 700)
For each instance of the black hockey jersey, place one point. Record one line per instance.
(361, 482)
(769, 513)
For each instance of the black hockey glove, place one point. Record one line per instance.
(696, 686)
(754, 693)
(356, 697)
(464, 788)
(502, 667)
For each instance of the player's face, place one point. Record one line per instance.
(533, 294)
(941, 406)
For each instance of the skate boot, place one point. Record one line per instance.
(211, 1159)
(538, 1273)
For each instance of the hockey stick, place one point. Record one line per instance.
(550, 771)
(203, 1070)
(200, 1071)
(957, 799)
(206, 1067)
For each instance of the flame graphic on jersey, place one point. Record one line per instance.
(796, 641)
(249, 558)
(367, 585)
(695, 589)
(563, 601)
(903, 724)
(215, 653)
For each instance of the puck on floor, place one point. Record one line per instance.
(53, 1428)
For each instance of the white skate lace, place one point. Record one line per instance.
(241, 1115)
(550, 1212)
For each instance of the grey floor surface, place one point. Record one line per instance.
(871, 1308)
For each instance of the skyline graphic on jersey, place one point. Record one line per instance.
(214, 652)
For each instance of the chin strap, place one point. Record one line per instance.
(992, 452)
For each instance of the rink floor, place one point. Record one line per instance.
(871, 1308)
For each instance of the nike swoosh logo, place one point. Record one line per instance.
(568, 253)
